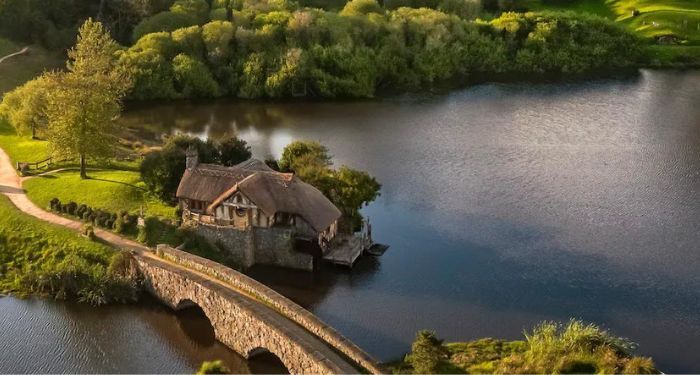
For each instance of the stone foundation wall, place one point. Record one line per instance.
(238, 244)
(275, 247)
(267, 246)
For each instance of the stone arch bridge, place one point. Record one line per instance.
(249, 317)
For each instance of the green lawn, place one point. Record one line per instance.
(21, 148)
(680, 18)
(598, 7)
(17, 70)
(28, 245)
(110, 190)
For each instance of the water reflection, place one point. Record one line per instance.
(44, 336)
(505, 204)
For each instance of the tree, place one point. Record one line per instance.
(300, 154)
(25, 107)
(354, 189)
(347, 188)
(193, 78)
(234, 151)
(426, 353)
(85, 101)
(161, 171)
(361, 7)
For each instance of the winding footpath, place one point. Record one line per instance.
(21, 52)
(11, 186)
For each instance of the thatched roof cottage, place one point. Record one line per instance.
(252, 197)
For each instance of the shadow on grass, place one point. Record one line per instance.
(116, 182)
(4, 189)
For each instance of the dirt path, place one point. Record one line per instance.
(21, 52)
(11, 186)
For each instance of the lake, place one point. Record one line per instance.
(504, 205)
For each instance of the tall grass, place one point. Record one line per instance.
(549, 348)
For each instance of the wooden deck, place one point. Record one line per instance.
(346, 251)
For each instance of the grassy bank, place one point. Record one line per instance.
(550, 348)
(110, 190)
(44, 259)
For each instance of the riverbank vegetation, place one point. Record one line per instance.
(277, 49)
(359, 48)
(550, 348)
(42, 259)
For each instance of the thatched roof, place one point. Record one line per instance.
(271, 191)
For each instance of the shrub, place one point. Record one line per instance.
(55, 204)
(427, 353)
(88, 231)
(88, 215)
(193, 78)
(81, 210)
(234, 151)
(122, 264)
(70, 208)
(155, 232)
(213, 367)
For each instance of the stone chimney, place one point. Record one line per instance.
(192, 157)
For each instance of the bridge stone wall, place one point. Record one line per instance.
(241, 323)
(279, 303)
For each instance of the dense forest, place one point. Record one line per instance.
(280, 48)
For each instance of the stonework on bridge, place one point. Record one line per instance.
(248, 325)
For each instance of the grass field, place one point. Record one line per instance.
(598, 7)
(111, 190)
(17, 70)
(21, 148)
(28, 245)
(680, 18)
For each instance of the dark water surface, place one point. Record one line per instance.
(45, 336)
(504, 205)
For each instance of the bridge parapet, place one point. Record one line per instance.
(278, 302)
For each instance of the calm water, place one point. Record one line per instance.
(44, 336)
(504, 205)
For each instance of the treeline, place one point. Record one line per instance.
(273, 48)
(55, 23)
(282, 48)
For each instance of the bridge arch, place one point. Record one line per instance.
(271, 362)
(243, 324)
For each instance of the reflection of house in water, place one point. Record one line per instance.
(261, 216)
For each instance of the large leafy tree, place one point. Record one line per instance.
(86, 100)
(347, 188)
(25, 107)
